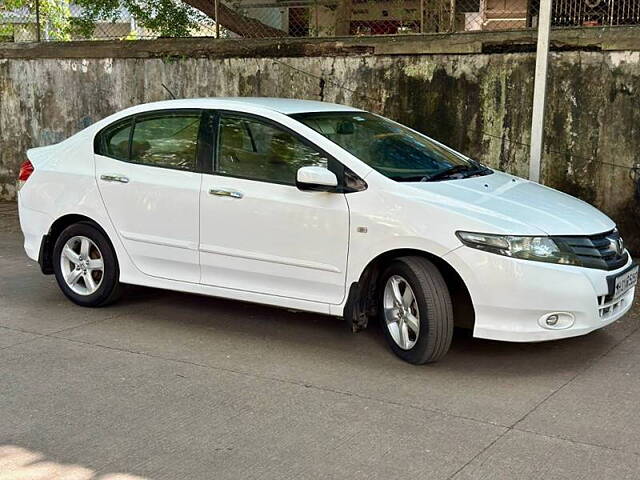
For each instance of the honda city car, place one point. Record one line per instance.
(323, 208)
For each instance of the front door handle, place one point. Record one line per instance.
(221, 192)
(114, 178)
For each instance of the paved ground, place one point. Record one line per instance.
(174, 386)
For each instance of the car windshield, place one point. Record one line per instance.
(390, 148)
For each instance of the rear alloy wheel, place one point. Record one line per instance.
(85, 266)
(82, 265)
(415, 310)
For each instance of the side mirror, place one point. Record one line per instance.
(316, 179)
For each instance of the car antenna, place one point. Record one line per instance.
(173, 97)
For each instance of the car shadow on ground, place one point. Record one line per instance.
(331, 335)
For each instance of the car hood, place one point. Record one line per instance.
(508, 204)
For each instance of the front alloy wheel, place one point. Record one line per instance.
(401, 312)
(415, 310)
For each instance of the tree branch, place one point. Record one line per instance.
(237, 23)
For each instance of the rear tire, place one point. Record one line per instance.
(415, 310)
(85, 266)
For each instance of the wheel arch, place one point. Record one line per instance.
(45, 257)
(361, 303)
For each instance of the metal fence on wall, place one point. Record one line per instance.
(54, 20)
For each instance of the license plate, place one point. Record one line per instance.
(625, 281)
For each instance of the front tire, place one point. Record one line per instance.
(415, 310)
(85, 266)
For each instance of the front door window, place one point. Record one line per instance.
(256, 150)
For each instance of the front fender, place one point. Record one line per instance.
(361, 256)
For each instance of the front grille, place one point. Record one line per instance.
(597, 251)
(607, 307)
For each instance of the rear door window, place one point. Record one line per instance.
(166, 140)
(114, 140)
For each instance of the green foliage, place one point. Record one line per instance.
(132, 35)
(9, 5)
(164, 18)
(54, 17)
(170, 18)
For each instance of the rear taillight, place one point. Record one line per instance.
(26, 169)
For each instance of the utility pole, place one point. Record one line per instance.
(539, 90)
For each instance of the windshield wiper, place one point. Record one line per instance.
(447, 172)
(413, 178)
(466, 170)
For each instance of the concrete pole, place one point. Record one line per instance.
(539, 90)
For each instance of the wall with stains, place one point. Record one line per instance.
(477, 103)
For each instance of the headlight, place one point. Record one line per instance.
(540, 249)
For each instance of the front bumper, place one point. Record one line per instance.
(512, 297)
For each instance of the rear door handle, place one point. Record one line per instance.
(221, 192)
(114, 178)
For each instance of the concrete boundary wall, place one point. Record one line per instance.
(471, 91)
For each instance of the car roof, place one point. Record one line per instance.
(286, 106)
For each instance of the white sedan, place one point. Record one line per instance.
(324, 208)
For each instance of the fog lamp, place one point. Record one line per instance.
(556, 320)
(552, 320)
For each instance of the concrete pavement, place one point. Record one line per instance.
(165, 385)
